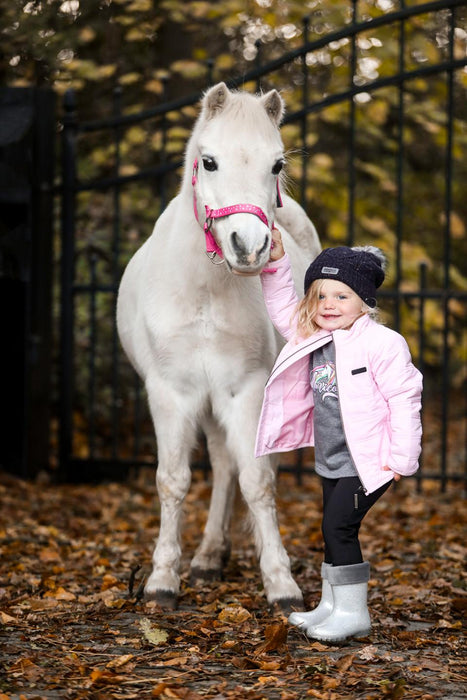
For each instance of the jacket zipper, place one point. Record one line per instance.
(361, 487)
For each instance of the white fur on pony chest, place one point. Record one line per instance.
(220, 335)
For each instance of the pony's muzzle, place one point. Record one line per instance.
(244, 254)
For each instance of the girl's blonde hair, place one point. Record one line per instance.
(307, 308)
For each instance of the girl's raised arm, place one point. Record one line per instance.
(279, 291)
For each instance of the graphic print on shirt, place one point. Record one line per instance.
(323, 380)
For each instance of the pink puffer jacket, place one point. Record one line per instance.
(379, 390)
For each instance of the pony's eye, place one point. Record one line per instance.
(277, 167)
(209, 164)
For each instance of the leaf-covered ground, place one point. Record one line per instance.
(72, 625)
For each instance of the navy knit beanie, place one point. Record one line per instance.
(360, 268)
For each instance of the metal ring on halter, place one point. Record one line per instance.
(212, 257)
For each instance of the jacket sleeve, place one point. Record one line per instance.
(280, 296)
(400, 383)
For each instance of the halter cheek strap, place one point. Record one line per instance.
(212, 248)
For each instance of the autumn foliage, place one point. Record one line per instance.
(73, 624)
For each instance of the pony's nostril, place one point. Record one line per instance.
(236, 243)
(265, 245)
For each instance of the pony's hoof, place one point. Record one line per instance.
(288, 605)
(167, 600)
(198, 574)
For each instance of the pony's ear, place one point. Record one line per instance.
(274, 106)
(215, 99)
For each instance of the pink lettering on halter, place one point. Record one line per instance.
(212, 248)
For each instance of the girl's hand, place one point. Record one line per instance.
(277, 249)
(396, 476)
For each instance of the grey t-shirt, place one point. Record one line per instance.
(332, 457)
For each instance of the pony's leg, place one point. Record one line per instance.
(176, 438)
(257, 481)
(257, 484)
(214, 550)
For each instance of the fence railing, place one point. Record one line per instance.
(97, 444)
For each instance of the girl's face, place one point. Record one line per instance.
(338, 306)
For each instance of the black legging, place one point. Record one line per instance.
(344, 507)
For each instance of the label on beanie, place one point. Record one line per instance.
(330, 270)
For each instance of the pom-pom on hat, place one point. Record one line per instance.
(361, 268)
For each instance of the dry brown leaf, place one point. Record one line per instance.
(275, 638)
(234, 614)
(7, 620)
(49, 554)
(267, 680)
(120, 661)
(60, 594)
(330, 682)
(268, 665)
(322, 696)
(345, 663)
(176, 661)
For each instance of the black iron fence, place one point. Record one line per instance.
(348, 90)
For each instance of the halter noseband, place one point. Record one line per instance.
(212, 248)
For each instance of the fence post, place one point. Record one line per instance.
(352, 130)
(116, 272)
(304, 121)
(421, 351)
(258, 63)
(69, 123)
(400, 175)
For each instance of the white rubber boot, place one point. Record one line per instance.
(349, 616)
(324, 608)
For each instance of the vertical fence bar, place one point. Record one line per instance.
(116, 274)
(421, 350)
(163, 155)
(67, 267)
(352, 132)
(304, 120)
(400, 173)
(92, 356)
(447, 250)
(210, 68)
(258, 63)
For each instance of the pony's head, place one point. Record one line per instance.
(236, 156)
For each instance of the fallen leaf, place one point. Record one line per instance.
(234, 614)
(153, 635)
(120, 661)
(60, 594)
(7, 620)
(275, 638)
(345, 663)
(269, 665)
(175, 661)
(267, 679)
(368, 653)
(49, 554)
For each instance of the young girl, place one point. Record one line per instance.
(345, 384)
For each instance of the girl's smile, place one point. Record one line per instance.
(338, 306)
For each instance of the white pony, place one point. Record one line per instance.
(199, 336)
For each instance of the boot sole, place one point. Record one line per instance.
(360, 633)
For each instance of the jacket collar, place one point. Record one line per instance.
(292, 352)
(354, 331)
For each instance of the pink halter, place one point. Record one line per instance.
(212, 249)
